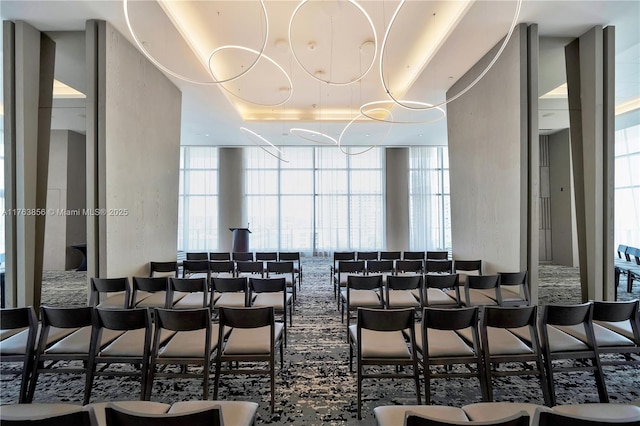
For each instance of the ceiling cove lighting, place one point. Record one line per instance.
(312, 47)
(406, 104)
(628, 106)
(266, 146)
(181, 20)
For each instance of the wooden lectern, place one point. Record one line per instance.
(240, 240)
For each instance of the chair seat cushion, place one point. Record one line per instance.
(189, 344)
(287, 278)
(609, 412)
(477, 298)
(222, 275)
(560, 341)
(443, 343)
(381, 344)
(402, 298)
(79, 341)
(462, 275)
(15, 344)
(271, 299)
(231, 300)
(620, 327)
(235, 413)
(435, 297)
(192, 300)
(129, 344)
(492, 411)
(37, 411)
(502, 342)
(114, 300)
(251, 341)
(604, 336)
(155, 300)
(363, 298)
(393, 415)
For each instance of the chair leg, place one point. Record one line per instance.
(600, 383)
(216, 380)
(273, 383)
(359, 391)
(552, 390)
(416, 378)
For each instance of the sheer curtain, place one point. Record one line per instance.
(331, 201)
(627, 186)
(429, 220)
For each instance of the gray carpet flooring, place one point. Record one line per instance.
(315, 387)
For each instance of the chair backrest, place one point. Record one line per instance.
(413, 255)
(109, 285)
(468, 265)
(17, 318)
(618, 311)
(554, 314)
(182, 320)
(443, 255)
(117, 416)
(509, 317)
(75, 418)
(513, 278)
(386, 319)
(450, 319)
(367, 255)
(379, 266)
(229, 284)
(390, 255)
(437, 266)
(74, 317)
(216, 266)
(267, 255)
(289, 255)
(551, 418)
(197, 256)
(351, 266)
(163, 269)
(339, 256)
(242, 256)
(409, 266)
(150, 284)
(122, 319)
(404, 282)
(364, 282)
(267, 285)
(482, 282)
(442, 282)
(249, 317)
(195, 266)
(280, 267)
(221, 255)
(249, 267)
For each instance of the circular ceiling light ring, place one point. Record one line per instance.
(166, 70)
(299, 132)
(404, 104)
(366, 110)
(260, 56)
(378, 142)
(278, 152)
(313, 74)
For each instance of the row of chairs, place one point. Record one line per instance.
(260, 256)
(153, 342)
(481, 342)
(627, 262)
(389, 255)
(229, 268)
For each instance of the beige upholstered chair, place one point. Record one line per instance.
(151, 292)
(362, 291)
(255, 337)
(197, 256)
(442, 291)
(379, 342)
(188, 293)
(231, 292)
(514, 289)
(196, 268)
(437, 254)
(272, 292)
(18, 331)
(381, 267)
(616, 327)
(163, 269)
(284, 269)
(404, 291)
(509, 335)
(557, 325)
(219, 256)
(477, 290)
(222, 268)
(193, 342)
(132, 347)
(465, 268)
(346, 268)
(338, 257)
(439, 344)
(293, 256)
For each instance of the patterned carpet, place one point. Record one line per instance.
(315, 387)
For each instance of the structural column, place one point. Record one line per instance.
(232, 200)
(397, 199)
(29, 59)
(590, 82)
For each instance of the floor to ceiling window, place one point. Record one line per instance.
(320, 201)
(429, 199)
(627, 186)
(198, 198)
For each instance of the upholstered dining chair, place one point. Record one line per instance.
(442, 291)
(19, 328)
(132, 347)
(477, 290)
(272, 292)
(413, 255)
(346, 268)
(409, 267)
(404, 291)
(222, 268)
(231, 292)
(284, 269)
(255, 337)
(242, 256)
(113, 292)
(196, 268)
(380, 267)
(249, 268)
(362, 291)
(151, 292)
(438, 266)
(509, 336)
(439, 344)
(338, 257)
(293, 256)
(379, 342)
(73, 344)
(514, 289)
(616, 327)
(465, 268)
(557, 324)
(219, 256)
(193, 341)
(197, 256)
(437, 254)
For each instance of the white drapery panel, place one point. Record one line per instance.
(627, 186)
